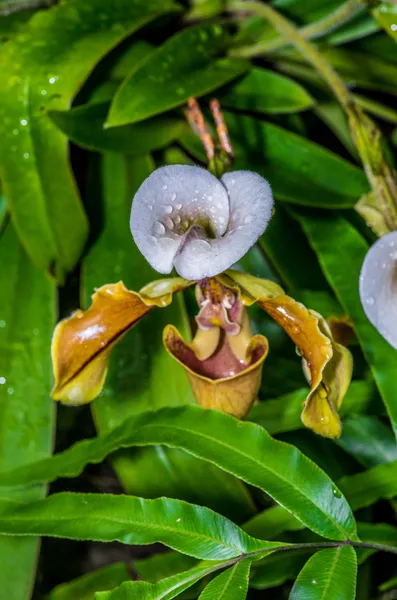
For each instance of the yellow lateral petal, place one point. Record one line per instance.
(81, 344)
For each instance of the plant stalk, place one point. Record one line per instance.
(365, 133)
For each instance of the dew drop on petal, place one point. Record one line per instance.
(165, 187)
(370, 301)
(159, 228)
(178, 206)
(2, 380)
(168, 209)
(248, 219)
(203, 244)
(169, 223)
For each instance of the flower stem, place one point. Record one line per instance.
(365, 133)
(310, 32)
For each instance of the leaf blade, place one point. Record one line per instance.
(180, 73)
(327, 575)
(41, 71)
(187, 528)
(286, 474)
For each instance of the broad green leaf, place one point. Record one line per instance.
(27, 317)
(42, 71)
(297, 170)
(386, 15)
(341, 263)
(277, 468)
(188, 64)
(264, 91)
(187, 528)
(284, 413)
(368, 440)
(84, 125)
(361, 490)
(166, 588)
(85, 587)
(328, 575)
(142, 375)
(232, 584)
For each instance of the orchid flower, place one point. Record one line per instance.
(184, 217)
(378, 286)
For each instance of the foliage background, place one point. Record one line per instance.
(91, 101)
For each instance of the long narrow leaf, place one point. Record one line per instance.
(190, 529)
(277, 468)
(41, 70)
(229, 585)
(328, 575)
(27, 307)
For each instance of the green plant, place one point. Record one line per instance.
(93, 98)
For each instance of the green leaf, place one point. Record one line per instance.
(42, 71)
(84, 125)
(328, 575)
(368, 440)
(162, 590)
(186, 65)
(140, 356)
(232, 584)
(277, 468)
(85, 587)
(298, 170)
(386, 15)
(264, 91)
(361, 490)
(187, 528)
(27, 317)
(341, 264)
(284, 413)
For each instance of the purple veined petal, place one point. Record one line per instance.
(166, 206)
(378, 286)
(251, 205)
